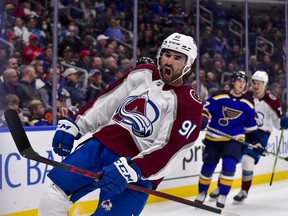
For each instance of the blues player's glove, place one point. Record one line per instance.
(284, 122)
(258, 148)
(67, 131)
(116, 176)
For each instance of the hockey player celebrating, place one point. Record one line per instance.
(142, 125)
(231, 112)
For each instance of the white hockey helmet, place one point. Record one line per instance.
(261, 76)
(180, 43)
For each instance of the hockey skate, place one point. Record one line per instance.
(240, 196)
(221, 199)
(214, 194)
(201, 197)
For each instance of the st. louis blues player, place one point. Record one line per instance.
(231, 112)
(142, 125)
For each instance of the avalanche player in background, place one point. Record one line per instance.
(231, 112)
(142, 126)
(268, 114)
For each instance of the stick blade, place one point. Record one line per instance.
(17, 131)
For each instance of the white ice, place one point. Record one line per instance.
(263, 200)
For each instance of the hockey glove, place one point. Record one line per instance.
(116, 177)
(284, 122)
(258, 148)
(67, 131)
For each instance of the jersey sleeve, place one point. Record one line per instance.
(99, 111)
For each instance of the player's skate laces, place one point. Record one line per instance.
(201, 197)
(221, 199)
(240, 196)
(214, 194)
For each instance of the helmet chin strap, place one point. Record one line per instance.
(182, 74)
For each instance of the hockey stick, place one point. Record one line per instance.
(25, 149)
(278, 150)
(246, 143)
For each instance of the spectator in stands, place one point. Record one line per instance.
(113, 31)
(21, 30)
(38, 66)
(97, 63)
(16, 42)
(46, 92)
(102, 41)
(96, 84)
(31, 25)
(266, 65)
(84, 60)
(10, 86)
(70, 37)
(27, 84)
(119, 73)
(77, 95)
(147, 45)
(110, 50)
(67, 54)
(253, 64)
(220, 44)
(37, 112)
(32, 50)
(46, 58)
(176, 16)
(218, 70)
(211, 82)
(12, 102)
(99, 7)
(111, 66)
(160, 10)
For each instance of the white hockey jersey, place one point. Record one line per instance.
(268, 112)
(142, 118)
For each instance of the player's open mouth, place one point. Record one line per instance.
(167, 72)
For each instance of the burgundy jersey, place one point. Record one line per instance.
(142, 118)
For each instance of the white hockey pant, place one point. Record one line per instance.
(54, 202)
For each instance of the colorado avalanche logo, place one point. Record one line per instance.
(259, 119)
(107, 205)
(139, 113)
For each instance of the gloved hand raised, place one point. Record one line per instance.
(116, 177)
(67, 131)
(284, 122)
(258, 148)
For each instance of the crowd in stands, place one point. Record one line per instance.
(93, 49)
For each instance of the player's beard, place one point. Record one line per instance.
(167, 74)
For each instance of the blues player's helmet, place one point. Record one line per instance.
(180, 43)
(238, 75)
(261, 76)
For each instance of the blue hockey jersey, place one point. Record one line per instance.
(232, 115)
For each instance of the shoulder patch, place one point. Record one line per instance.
(195, 96)
(272, 97)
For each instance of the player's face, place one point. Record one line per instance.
(239, 85)
(258, 86)
(172, 64)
